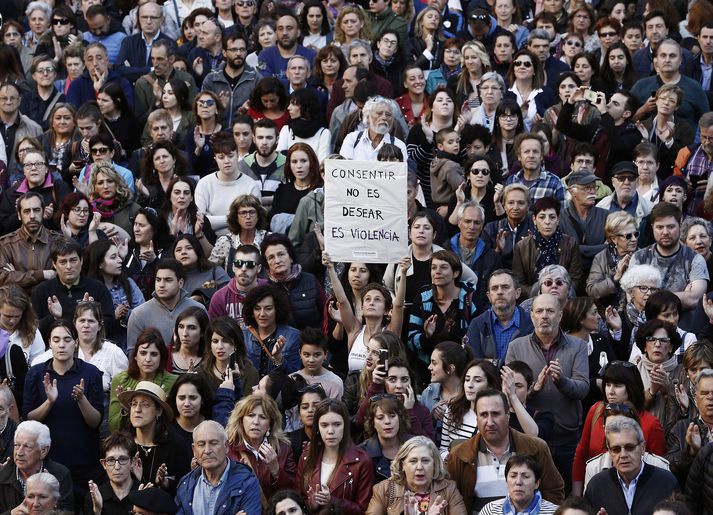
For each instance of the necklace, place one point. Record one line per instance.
(218, 372)
(147, 450)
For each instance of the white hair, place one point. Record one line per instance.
(468, 204)
(638, 274)
(371, 104)
(622, 424)
(38, 6)
(36, 429)
(47, 479)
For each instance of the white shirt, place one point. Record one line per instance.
(358, 146)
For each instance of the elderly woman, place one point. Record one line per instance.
(547, 246)
(307, 298)
(418, 476)
(658, 341)
(247, 220)
(41, 495)
(12, 33)
(553, 280)
(38, 18)
(638, 283)
(603, 283)
(255, 437)
(522, 476)
(697, 234)
(492, 88)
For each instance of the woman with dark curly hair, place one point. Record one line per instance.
(247, 223)
(269, 100)
(181, 213)
(306, 124)
(266, 312)
(77, 220)
(329, 66)
(208, 112)
(162, 162)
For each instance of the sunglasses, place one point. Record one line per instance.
(629, 447)
(377, 398)
(619, 407)
(607, 34)
(574, 42)
(97, 151)
(625, 178)
(526, 64)
(244, 263)
(549, 282)
(630, 235)
(206, 103)
(60, 21)
(480, 171)
(249, 3)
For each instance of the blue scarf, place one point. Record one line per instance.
(532, 509)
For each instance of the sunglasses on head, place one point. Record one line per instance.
(618, 407)
(625, 364)
(311, 388)
(526, 64)
(244, 263)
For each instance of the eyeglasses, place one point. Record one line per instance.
(390, 42)
(311, 388)
(34, 166)
(629, 235)
(645, 163)
(509, 116)
(240, 263)
(78, 211)
(247, 213)
(377, 398)
(47, 70)
(582, 16)
(60, 21)
(480, 171)
(121, 460)
(479, 17)
(629, 447)
(663, 340)
(526, 64)
(550, 282)
(100, 151)
(573, 42)
(209, 102)
(647, 289)
(608, 34)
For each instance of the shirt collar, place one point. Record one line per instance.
(42, 235)
(515, 320)
(223, 477)
(24, 186)
(633, 481)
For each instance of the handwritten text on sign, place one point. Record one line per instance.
(365, 211)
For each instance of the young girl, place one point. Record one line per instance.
(333, 469)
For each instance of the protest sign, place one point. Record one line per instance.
(365, 216)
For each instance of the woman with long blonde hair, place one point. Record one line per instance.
(424, 48)
(255, 437)
(475, 62)
(352, 23)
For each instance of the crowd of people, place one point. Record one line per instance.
(174, 337)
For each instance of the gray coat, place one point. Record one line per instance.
(600, 283)
(589, 233)
(217, 83)
(572, 387)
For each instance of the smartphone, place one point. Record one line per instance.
(233, 361)
(590, 96)
(384, 358)
(653, 93)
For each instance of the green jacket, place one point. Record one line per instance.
(388, 20)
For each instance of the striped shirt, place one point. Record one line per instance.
(467, 428)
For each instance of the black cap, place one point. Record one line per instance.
(581, 178)
(625, 167)
(153, 499)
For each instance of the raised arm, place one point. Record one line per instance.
(397, 313)
(346, 313)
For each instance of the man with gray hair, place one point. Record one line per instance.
(217, 484)
(631, 485)
(538, 42)
(561, 366)
(31, 446)
(472, 250)
(378, 117)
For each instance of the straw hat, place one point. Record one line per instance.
(147, 389)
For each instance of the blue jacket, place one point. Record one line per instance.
(82, 89)
(643, 62)
(241, 491)
(480, 334)
(290, 352)
(133, 50)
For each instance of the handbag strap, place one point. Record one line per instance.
(262, 344)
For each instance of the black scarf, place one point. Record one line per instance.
(549, 249)
(451, 157)
(304, 128)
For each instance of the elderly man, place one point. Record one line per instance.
(134, 59)
(490, 334)
(13, 124)
(667, 58)
(217, 484)
(631, 485)
(478, 464)
(625, 179)
(273, 60)
(684, 271)
(32, 444)
(236, 81)
(581, 219)
(530, 150)
(25, 253)
(561, 365)
(97, 73)
(378, 115)
(472, 250)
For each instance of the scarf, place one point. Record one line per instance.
(448, 73)
(532, 509)
(304, 128)
(294, 274)
(645, 367)
(457, 158)
(613, 256)
(383, 62)
(635, 316)
(105, 208)
(549, 249)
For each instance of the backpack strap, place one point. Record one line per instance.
(597, 414)
(358, 138)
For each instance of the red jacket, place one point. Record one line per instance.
(351, 483)
(269, 485)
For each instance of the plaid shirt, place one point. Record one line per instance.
(546, 185)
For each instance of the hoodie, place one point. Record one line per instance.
(228, 301)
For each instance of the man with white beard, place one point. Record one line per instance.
(364, 145)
